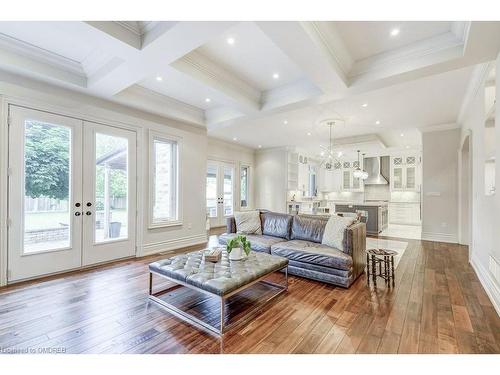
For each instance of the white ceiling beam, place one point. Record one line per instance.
(142, 98)
(165, 43)
(118, 31)
(306, 45)
(243, 96)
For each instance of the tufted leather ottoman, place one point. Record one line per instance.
(222, 279)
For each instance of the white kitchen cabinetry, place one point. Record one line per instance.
(292, 170)
(349, 182)
(404, 213)
(405, 173)
(330, 180)
(303, 177)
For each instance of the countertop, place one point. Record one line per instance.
(369, 203)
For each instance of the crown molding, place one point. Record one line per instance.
(201, 68)
(38, 54)
(404, 55)
(478, 78)
(287, 94)
(439, 127)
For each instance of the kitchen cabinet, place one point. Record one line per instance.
(404, 213)
(349, 182)
(330, 180)
(405, 173)
(292, 165)
(303, 179)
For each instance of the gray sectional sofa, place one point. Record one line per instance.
(298, 238)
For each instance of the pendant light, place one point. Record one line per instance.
(364, 176)
(358, 173)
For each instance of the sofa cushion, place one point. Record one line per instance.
(334, 233)
(248, 222)
(314, 253)
(308, 228)
(260, 243)
(276, 225)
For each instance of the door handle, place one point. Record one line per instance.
(77, 204)
(89, 204)
(78, 213)
(88, 213)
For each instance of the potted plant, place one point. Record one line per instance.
(238, 248)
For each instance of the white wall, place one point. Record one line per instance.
(440, 185)
(193, 159)
(270, 183)
(238, 155)
(485, 219)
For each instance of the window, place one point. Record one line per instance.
(164, 172)
(244, 186)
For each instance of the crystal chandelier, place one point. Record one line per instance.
(327, 154)
(358, 173)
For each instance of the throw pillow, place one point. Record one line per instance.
(333, 235)
(248, 222)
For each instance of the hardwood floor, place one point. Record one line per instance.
(437, 306)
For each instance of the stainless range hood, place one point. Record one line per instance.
(374, 168)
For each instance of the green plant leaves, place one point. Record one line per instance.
(239, 241)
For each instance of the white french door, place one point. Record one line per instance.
(71, 193)
(220, 192)
(109, 193)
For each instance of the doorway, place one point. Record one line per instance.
(72, 193)
(220, 192)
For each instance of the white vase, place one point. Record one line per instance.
(237, 253)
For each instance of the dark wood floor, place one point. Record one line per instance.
(437, 306)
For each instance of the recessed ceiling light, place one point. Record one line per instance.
(377, 122)
(364, 105)
(308, 133)
(260, 146)
(394, 31)
(407, 147)
(230, 41)
(208, 100)
(159, 78)
(285, 122)
(276, 75)
(322, 153)
(402, 134)
(235, 139)
(339, 154)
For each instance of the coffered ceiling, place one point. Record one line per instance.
(243, 80)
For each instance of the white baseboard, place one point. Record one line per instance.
(440, 237)
(177, 243)
(489, 284)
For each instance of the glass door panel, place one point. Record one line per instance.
(228, 190)
(397, 178)
(410, 177)
(44, 194)
(47, 174)
(211, 195)
(111, 193)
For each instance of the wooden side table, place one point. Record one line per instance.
(380, 263)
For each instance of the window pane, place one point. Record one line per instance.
(164, 181)
(212, 191)
(228, 191)
(244, 187)
(111, 188)
(47, 176)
